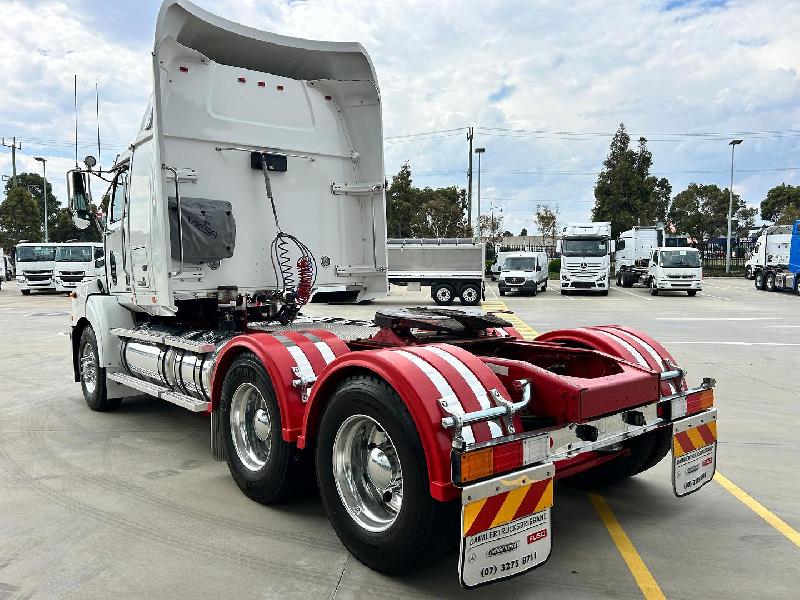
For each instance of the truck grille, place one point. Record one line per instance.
(582, 284)
(71, 276)
(515, 280)
(680, 276)
(37, 275)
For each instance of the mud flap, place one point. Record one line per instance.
(506, 526)
(694, 452)
(217, 447)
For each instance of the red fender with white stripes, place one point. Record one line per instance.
(624, 342)
(289, 358)
(434, 381)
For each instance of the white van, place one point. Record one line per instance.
(675, 270)
(77, 262)
(523, 272)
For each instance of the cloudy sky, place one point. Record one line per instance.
(545, 84)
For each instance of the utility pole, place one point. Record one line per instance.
(44, 193)
(14, 147)
(469, 178)
(479, 151)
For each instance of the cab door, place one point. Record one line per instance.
(140, 195)
(116, 267)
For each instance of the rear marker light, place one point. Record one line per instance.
(184, 69)
(241, 80)
(699, 401)
(476, 464)
(507, 457)
(327, 98)
(262, 84)
(279, 88)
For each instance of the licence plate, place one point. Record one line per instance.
(694, 452)
(514, 289)
(505, 526)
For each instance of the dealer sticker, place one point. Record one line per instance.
(509, 532)
(694, 452)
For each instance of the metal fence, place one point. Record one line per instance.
(713, 253)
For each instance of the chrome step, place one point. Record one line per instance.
(155, 337)
(182, 400)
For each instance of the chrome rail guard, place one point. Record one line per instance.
(505, 411)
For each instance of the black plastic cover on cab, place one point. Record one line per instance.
(208, 229)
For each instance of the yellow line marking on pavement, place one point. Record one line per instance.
(498, 306)
(644, 579)
(759, 509)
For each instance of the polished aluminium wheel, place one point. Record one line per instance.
(88, 366)
(367, 472)
(251, 426)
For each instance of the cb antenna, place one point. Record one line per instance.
(75, 90)
(97, 117)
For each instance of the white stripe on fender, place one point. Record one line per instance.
(327, 354)
(636, 354)
(651, 351)
(301, 360)
(472, 382)
(449, 400)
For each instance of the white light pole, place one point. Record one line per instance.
(44, 193)
(479, 151)
(732, 144)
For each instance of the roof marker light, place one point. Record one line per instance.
(262, 84)
(241, 80)
(279, 88)
(184, 69)
(328, 98)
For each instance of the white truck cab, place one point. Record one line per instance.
(77, 262)
(675, 270)
(586, 250)
(35, 264)
(523, 272)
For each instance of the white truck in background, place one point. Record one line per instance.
(76, 262)
(675, 270)
(585, 250)
(772, 249)
(778, 255)
(634, 252)
(34, 266)
(451, 267)
(6, 268)
(523, 272)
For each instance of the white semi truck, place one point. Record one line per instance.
(772, 249)
(76, 262)
(35, 266)
(585, 250)
(257, 177)
(451, 267)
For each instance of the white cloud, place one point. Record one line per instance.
(705, 66)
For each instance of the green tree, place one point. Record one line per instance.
(546, 220)
(778, 200)
(524, 232)
(626, 193)
(20, 218)
(702, 211)
(32, 183)
(492, 227)
(428, 212)
(789, 215)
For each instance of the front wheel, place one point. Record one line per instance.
(373, 479)
(92, 375)
(259, 460)
(26, 292)
(692, 292)
(653, 289)
(748, 272)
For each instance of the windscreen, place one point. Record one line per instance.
(687, 259)
(35, 253)
(595, 247)
(519, 263)
(74, 254)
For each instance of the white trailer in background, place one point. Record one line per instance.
(585, 250)
(35, 263)
(772, 249)
(451, 267)
(6, 268)
(77, 262)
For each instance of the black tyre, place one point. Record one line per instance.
(604, 293)
(653, 288)
(373, 480)
(662, 444)
(264, 466)
(627, 280)
(470, 294)
(535, 289)
(640, 453)
(619, 278)
(797, 284)
(692, 292)
(502, 292)
(769, 282)
(26, 292)
(748, 272)
(92, 375)
(564, 292)
(544, 287)
(758, 280)
(443, 294)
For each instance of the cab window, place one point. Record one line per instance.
(118, 197)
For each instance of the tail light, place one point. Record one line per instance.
(699, 401)
(478, 464)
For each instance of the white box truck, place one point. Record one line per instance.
(77, 262)
(451, 267)
(675, 270)
(585, 250)
(35, 263)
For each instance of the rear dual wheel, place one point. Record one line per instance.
(758, 280)
(373, 479)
